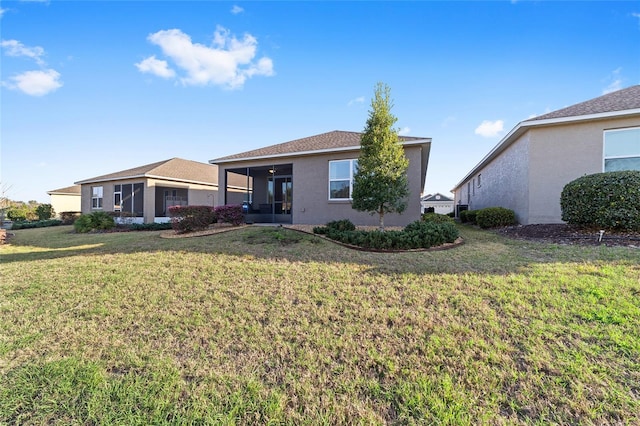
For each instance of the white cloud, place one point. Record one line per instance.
(489, 129)
(236, 9)
(156, 67)
(228, 62)
(636, 15)
(404, 131)
(15, 48)
(358, 100)
(2, 11)
(615, 82)
(36, 83)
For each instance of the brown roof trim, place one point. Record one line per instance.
(334, 141)
(69, 190)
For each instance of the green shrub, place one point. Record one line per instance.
(35, 224)
(96, 221)
(150, 226)
(493, 217)
(231, 213)
(192, 218)
(609, 200)
(416, 235)
(468, 216)
(436, 218)
(45, 211)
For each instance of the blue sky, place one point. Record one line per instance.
(89, 88)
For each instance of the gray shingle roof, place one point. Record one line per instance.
(172, 169)
(69, 190)
(620, 100)
(326, 141)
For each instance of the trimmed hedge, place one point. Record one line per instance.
(493, 217)
(150, 226)
(416, 235)
(198, 218)
(436, 218)
(231, 213)
(35, 224)
(96, 221)
(468, 216)
(609, 200)
(191, 218)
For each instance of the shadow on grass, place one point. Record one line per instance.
(483, 251)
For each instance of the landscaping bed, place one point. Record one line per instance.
(561, 233)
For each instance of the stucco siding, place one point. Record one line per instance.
(560, 154)
(198, 194)
(310, 189)
(65, 203)
(503, 182)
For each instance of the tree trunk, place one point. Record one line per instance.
(381, 213)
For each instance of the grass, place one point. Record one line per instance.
(270, 326)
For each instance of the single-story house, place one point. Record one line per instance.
(65, 199)
(440, 204)
(144, 194)
(530, 166)
(310, 180)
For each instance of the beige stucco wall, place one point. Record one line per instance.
(503, 182)
(310, 189)
(560, 154)
(198, 194)
(528, 177)
(65, 203)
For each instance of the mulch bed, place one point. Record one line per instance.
(570, 234)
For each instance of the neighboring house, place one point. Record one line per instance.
(528, 169)
(440, 203)
(65, 199)
(145, 193)
(310, 180)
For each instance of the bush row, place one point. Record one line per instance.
(490, 217)
(419, 234)
(437, 218)
(198, 218)
(604, 200)
(35, 224)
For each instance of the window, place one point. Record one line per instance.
(96, 197)
(130, 197)
(622, 150)
(479, 180)
(341, 179)
(117, 198)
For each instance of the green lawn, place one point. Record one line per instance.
(270, 326)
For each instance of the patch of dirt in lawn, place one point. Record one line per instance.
(569, 234)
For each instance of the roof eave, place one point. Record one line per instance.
(306, 153)
(523, 126)
(144, 176)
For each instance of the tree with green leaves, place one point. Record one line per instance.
(380, 183)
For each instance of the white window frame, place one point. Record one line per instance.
(353, 164)
(97, 195)
(117, 193)
(615, 157)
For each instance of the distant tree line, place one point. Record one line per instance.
(21, 211)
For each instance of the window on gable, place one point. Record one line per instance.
(622, 150)
(341, 179)
(96, 197)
